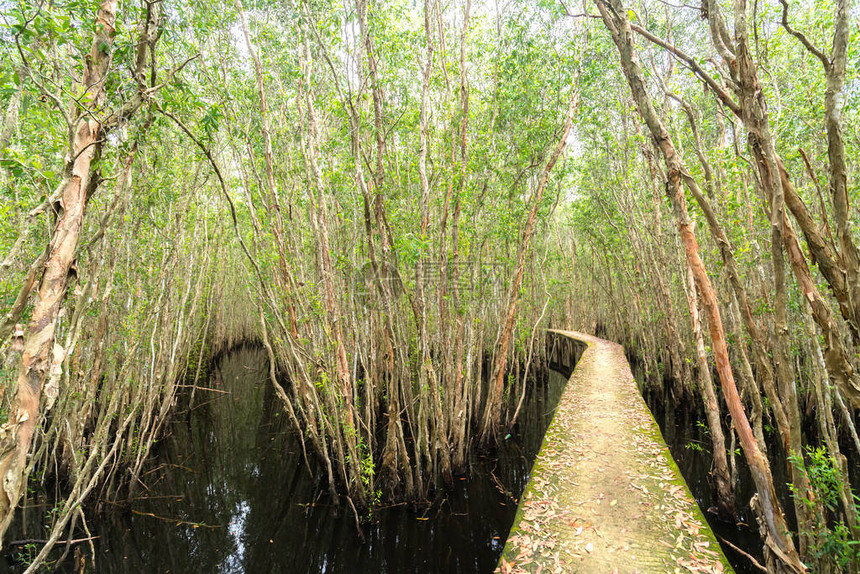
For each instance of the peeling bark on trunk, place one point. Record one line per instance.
(723, 495)
(842, 270)
(752, 110)
(16, 436)
(614, 15)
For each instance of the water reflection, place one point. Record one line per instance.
(227, 491)
(690, 444)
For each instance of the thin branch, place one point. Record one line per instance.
(39, 541)
(208, 153)
(47, 93)
(741, 552)
(681, 5)
(569, 14)
(143, 95)
(821, 203)
(718, 90)
(802, 37)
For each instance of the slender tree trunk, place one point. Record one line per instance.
(347, 435)
(722, 491)
(493, 409)
(842, 271)
(614, 15)
(833, 104)
(40, 351)
(10, 118)
(764, 366)
(752, 110)
(288, 283)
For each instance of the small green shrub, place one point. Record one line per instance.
(832, 541)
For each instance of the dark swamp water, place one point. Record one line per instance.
(227, 491)
(686, 434)
(690, 445)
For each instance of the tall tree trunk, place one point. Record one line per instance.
(493, 409)
(10, 119)
(288, 283)
(723, 495)
(40, 352)
(849, 255)
(752, 110)
(614, 15)
(456, 383)
(764, 366)
(348, 429)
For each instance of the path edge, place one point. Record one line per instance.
(588, 341)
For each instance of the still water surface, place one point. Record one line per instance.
(227, 491)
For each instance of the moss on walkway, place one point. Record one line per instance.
(605, 495)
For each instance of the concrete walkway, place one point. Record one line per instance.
(605, 495)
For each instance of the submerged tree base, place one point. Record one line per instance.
(227, 488)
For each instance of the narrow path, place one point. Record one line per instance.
(605, 495)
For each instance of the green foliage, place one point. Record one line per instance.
(833, 540)
(24, 555)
